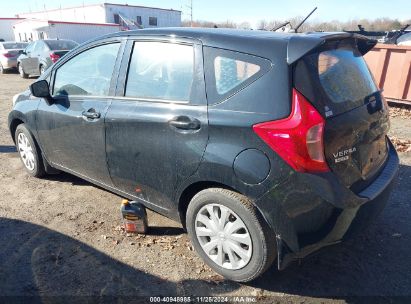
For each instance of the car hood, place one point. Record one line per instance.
(21, 96)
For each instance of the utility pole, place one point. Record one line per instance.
(191, 12)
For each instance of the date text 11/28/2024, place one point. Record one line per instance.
(205, 299)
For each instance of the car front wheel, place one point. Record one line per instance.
(29, 152)
(230, 235)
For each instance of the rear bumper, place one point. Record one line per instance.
(9, 63)
(308, 212)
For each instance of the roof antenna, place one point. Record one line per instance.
(302, 22)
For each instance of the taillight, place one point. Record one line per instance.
(7, 55)
(54, 57)
(297, 139)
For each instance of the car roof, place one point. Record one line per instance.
(207, 34)
(12, 41)
(267, 44)
(220, 38)
(47, 40)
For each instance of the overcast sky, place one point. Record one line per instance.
(240, 10)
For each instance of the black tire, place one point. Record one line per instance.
(263, 241)
(21, 72)
(42, 69)
(38, 168)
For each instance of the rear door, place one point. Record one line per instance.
(33, 65)
(71, 130)
(156, 127)
(28, 60)
(337, 81)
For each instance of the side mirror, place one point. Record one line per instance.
(41, 89)
(23, 52)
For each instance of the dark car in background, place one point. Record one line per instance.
(41, 54)
(265, 146)
(9, 51)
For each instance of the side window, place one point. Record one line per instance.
(30, 47)
(38, 47)
(116, 18)
(152, 21)
(88, 73)
(161, 70)
(228, 72)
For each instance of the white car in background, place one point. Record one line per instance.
(404, 39)
(9, 51)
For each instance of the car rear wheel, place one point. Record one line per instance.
(29, 152)
(230, 235)
(21, 72)
(2, 70)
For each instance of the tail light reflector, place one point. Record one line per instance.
(54, 57)
(297, 139)
(7, 55)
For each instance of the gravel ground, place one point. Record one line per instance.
(62, 236)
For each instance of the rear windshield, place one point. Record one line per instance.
(14, 45)
(338, 78)
(61, 44)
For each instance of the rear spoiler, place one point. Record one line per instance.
(301, 44)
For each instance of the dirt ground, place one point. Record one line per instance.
(61, 236)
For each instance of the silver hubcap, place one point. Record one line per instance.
(223, 236)
(26, 151)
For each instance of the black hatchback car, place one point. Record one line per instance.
(265, 146)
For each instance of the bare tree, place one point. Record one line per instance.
(244, 25)
(379, 24)
(262, 25)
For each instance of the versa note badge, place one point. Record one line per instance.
(343, 155)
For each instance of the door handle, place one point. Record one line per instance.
(185, 123)
(91, 114)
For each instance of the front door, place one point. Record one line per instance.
(156, 127)
(71, 130)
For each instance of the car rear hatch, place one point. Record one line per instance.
(335, 79)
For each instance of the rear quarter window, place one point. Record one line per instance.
(228, 72)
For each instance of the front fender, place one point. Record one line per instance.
(24, 112)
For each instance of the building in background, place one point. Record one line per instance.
(85, 22)
(35, 29)
(140, 16)
(6, 28)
